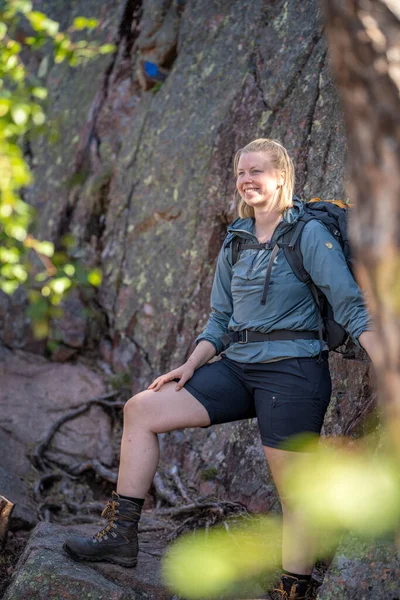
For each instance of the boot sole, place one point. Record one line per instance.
(123, 562)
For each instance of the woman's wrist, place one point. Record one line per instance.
(203, 352)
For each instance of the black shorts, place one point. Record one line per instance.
(288, 396)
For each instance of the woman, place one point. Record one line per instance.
(272, 368)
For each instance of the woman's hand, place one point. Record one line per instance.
(183, 373)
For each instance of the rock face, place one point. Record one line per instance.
(144, 180)
(362, 570)
(45, 571)
(141, 174)
(34, 394)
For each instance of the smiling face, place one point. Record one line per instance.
(258, 182)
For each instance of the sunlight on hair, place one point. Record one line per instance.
(206, 564)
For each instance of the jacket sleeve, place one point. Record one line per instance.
(221, 302)
(324, 260)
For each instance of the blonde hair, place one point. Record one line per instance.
(281, 162)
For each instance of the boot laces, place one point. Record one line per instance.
(283, 595)
(110, 512)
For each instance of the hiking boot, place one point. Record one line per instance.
(117, 542)
(291, 588)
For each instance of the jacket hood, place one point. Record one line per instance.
(290, 216)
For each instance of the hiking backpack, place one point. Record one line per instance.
(333, 214)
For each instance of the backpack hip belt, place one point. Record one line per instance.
(245, 336)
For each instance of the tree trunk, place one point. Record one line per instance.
(364, 40)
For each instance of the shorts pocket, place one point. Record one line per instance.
(293, 416)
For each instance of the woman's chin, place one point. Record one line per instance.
(255, 202)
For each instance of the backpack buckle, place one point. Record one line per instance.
(242, 339)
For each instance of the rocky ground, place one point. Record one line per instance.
(44, 571)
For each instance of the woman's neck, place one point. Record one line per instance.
(265, 224)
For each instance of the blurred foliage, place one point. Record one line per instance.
(25, 260)
(335, 485)
(209, 563)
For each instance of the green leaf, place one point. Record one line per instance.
(107, 48)
(40, 329)
(20, 113)
(4, 106)
(95, 277)
(60, 285)
(3, 30)
(16, 231)
(46, 248)
(60, 55)
(37, 20)
(42, 276)
(24, 6)
(82, 23)
(38, 117)
(11, 62)
(40, 92)
(19, 273)
(68, 269)
(68, 241)
(9, 287)
(9, 255)
(40, 22)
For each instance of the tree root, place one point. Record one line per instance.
(203, 515)
(195, 513)
(219, 507)
(163, 491)
(97, 467)
(44, 482)
(38, 458)
(179, 485)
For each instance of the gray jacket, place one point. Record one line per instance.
(237, 291)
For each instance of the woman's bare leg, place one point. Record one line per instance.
(145, 415)
(298, 544)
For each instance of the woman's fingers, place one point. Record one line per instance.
(159, 382)
(183, 373)
(181, 382)
(185, 376)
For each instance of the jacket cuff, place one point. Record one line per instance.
(217, 344)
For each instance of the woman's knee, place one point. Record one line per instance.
(135, 407)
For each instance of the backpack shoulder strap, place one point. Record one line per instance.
(236, 247)
(291, 248)
(238, 244)
(290, 243)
